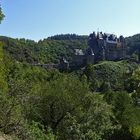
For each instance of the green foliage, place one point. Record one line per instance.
(1, 15)
(134, 86)
(37, 132)
(3, 83)
(94, 120)
(36, 103)
(59, 97)
(111, 75)
(126, 114)
(49, 50)
(91, 77)
(98, 118)
(135, 130)
(133, 44)
(10, 114)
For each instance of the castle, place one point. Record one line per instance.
(102, 46)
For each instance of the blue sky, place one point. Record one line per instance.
(38, 19)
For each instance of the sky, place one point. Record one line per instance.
(38, 19)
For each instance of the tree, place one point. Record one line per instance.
(10, 114)
(1, 15)
(92, 77)
(127, 115)
(63, 95)
(134, 86)
(98, 119)
(37, 132)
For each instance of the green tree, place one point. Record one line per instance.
(3, 82)
(63, 95)
(10, 114)
(127, 115)
(92, 77)
(94, 120)
(1, 15)
(134, 85)
(37, 132)
(98, 118)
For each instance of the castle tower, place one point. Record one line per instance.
(107, 46)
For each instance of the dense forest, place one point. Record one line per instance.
(100, 101)
(97, 102)
(49, 50)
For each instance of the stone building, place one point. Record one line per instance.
(79, 57)
(101, 47)
(107, 46)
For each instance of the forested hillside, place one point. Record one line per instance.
(44, 51)
(133, 44)
(99, 102)
(95, 102)
(50, 50)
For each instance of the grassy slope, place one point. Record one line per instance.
(114, 73)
